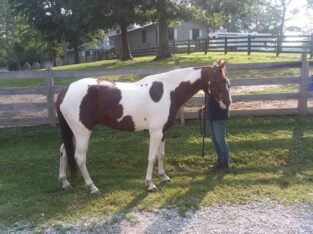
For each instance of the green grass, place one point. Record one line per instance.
(193, 59)
(271, 158)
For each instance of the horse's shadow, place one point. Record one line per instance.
(196, 191)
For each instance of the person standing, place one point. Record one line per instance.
(218, 118)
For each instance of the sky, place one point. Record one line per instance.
(303, 19)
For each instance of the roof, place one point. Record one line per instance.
(133, 29)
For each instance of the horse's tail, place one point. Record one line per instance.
(67, 136)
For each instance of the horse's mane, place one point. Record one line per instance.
(174, 74)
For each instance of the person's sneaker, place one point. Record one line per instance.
(224, 168)
(217, 167)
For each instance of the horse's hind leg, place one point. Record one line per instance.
(161, 169)
(62, 169)
(80, 157)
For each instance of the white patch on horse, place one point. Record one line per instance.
(70, 106)
(222, 105)
(142, 109)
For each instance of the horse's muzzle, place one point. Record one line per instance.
(227, 103)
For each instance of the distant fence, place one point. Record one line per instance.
(250, 43)
(48, 91)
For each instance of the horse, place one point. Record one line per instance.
(148, 104)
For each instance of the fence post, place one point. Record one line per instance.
(49, 83)
(181, 113)
(206, 46)
(225, 46)
(311, 47)
(249, 44)
(278, 44)
(303, 86)
(174, 49)
(188, 49)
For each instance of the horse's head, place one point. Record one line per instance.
(217, 84)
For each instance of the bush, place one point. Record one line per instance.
(27, 67)
(14, 65)
(36, 66)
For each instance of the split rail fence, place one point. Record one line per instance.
(48, 92)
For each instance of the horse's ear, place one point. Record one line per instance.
(220, 63)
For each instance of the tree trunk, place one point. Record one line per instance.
(164, 51)
(76, 54)
(126, 54)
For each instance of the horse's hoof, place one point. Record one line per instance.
(95, 192)
(165, 178)
(66, 187)
(152, 188)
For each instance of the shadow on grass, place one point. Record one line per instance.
(191, 199)
(117, 163)
(298, 161)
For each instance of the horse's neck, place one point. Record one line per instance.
(181, 83)
(187, 83)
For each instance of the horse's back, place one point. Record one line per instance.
(117, 105)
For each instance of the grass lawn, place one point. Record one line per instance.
(271, 158)
(193, 59)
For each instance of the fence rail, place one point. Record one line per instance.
(48, 93)
(249, 44)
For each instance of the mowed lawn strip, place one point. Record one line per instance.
(270, 158)
(193, 59)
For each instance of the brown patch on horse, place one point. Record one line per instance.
(101, 105)
(182, 93)
(156, 91)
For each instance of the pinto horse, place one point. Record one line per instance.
(148, 104)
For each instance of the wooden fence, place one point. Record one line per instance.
(48, 91)
(249, 44)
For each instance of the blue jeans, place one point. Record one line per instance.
(218, 136)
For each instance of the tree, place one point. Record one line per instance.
(125, 13)
(227, 13)
(73, 21)
(262, 18)
(282, 5)
(164, 12)
(19, 43)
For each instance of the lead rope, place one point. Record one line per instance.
(203, 123)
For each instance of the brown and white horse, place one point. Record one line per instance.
(148, 104)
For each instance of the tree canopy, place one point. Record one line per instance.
(49, 28)
(70, 21)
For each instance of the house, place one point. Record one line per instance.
(146, 37)
(89, 52)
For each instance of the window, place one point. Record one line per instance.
(87, 53)
(144, 36)
(195, 33)
(171, 34)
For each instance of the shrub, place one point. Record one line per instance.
(27, 67)
(14, 65)
(36, 66)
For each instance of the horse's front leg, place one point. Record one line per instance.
(62, 169)
(162, 173)
(155, 140)
(80, 157)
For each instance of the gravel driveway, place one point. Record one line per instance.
(266, 217)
